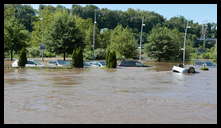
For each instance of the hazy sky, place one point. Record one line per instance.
(201, 13)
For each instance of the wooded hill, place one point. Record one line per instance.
(62, 30)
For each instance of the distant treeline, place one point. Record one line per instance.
(119, 30)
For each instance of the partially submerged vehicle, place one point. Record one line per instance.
(180, 68)
(58, 63)
(131, 63)
(204, 63)
(30, 63)
(87, 65)
(94, 64)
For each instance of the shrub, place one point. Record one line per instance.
(206, 55)
(49, 54)
(204, 68)
(22, 58)
(34, 52)
(111, 60)
(99, 53)
(77, 58)
(88, 54)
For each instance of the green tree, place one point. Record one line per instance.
(42, 25)
(163, 43)
(105, 36)
(64, 35)
(25, 14)
(22, 58)
(15, 36)
(111, 60)
(77, 58)
(123, 41)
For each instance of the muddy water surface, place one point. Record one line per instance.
(124, 95)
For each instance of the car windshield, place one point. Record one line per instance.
(86, 64)
(138, 63)
(62, 62)
(52, 62)
(129, 62)
(30, 62)
(37, 62)
(102, 62)
(199, 63)
(208, 63)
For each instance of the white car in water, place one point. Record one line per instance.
(30, 63)
(58, 63)
(97, 63)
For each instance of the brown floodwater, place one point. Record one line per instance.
(123, 95)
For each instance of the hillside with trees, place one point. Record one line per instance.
(62, 30)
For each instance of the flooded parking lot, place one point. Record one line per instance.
(123, 95)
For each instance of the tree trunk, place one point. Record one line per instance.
(11, 54)
(64, 56)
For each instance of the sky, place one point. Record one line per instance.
(201, 13)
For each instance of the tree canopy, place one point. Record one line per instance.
(63, 29)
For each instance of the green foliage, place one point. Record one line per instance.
(88, 54)
(105, 37)
(204, 68)
(99, 53)
(77, 58)
(111, 59)
(34, 52)
(25, 14)
(15, 36)
(164, 43)
(64, 35)
(176, 23)
(111, 18)
(123, 42)
(42, 26)
(22, 58)
(207, 54)
(63, 29)
(86, 28)
(49, 54)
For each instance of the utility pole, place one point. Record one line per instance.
(94, 32)
(141, 36)
(204, 36)
(184, 43)
(42, 51)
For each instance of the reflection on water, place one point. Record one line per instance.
(122, 95)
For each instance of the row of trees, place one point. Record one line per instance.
(63, 30)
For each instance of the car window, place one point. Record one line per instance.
(128, 63)
(131, 63)
(67, 62)
(199, 63)
(208, 63)
(86, 64)
(139, 64)
(30, 62)
(103, 63)
(52, 62)
(61, 62)
(36, 62)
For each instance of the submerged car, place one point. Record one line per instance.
(98, 63)
(204, 63)
(94, 64)
(30, 63)
(87, 65)
(58, 63)
(131, 63)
